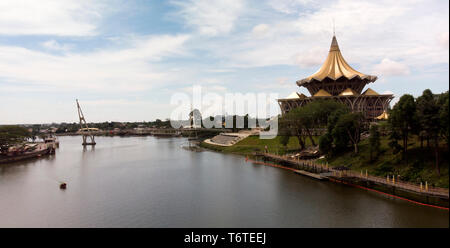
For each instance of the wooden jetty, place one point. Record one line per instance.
(309, 174)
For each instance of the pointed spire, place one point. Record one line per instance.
(335, 67)
(334, 44)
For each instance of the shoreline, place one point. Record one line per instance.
(391, 190)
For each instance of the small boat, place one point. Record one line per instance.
(63, 186)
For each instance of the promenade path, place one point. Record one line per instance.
(330, 171)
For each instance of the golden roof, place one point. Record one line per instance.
(383, 116)
(348, 92)
(322, 92)
(336, 67)
(370, 92)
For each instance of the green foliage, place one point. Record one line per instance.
(419, 169)
(403, 119)
(334, 117)
(374, 141)
(384, 168)
(284, 140)
(326, 143)
(301, 121)
(347, 130)
(443, 102)
(394, 136)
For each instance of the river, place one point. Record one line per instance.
(154, 182)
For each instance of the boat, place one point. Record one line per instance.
(17, 156)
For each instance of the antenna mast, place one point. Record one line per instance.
(334, 29)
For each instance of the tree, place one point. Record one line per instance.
(429, 120)
(443, 102)
(374, 141)
(403, 119)
(11, 135)
(349, 125)
(284, 141)
(302, 121)
(326, 143)
(290, 125)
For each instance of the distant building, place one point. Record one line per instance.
(337, 80)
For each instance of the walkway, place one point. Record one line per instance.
(424, 189)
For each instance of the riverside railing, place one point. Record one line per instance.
(392, 181)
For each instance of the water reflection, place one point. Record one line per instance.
(154, 182)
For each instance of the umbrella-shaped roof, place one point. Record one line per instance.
(336, 67)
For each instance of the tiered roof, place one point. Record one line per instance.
(370, 92)
(336, 67)
(322, 92)
(348, 92)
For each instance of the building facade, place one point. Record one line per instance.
(337, 80)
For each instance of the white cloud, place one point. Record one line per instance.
(130, 69)
(389, 67)
(48, 17)
(213, 88)
(260, 29)
(210, 17)
(313, 57)
(367, 32)
(288, 6)
(443, 40)
(56, 46)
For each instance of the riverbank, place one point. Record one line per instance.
(253, 145)
(420, 167)
(417, 194)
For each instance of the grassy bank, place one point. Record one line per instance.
(420, 167)
(253, 144)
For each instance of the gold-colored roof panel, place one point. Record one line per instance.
(348, 92)
(336, 67)
(322, 92)
(370, 92)
(383, 116)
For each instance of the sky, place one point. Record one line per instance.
(125, 59)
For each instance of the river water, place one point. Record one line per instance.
(154, 182)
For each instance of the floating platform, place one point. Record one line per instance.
(309, 174)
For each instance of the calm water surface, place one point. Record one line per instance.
(154, 182)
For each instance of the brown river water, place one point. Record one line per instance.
(155, 182)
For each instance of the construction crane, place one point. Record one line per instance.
(84, 129)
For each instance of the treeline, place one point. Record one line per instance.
(426, 117)
(107, 125)
(340, 129)
(338, 126)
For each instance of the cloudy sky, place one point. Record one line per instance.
(124, 59)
